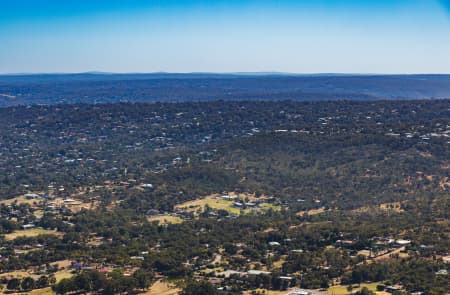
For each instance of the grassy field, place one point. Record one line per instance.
(279, 263)
(18, 274)
(59, 275)
(267, 292)
(165, 219)
(162, 288)
(21, 274)
(386, 207)
(44, 291)
(207, 271)
(39, 213)
(342, 289)
(268, 206)
(311, 212)
(215, 202)
(212, 201)
(76, 205)
(365, 253)
(20, 200)
(64, 274)
(30, 233)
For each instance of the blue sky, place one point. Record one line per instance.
(302, 36)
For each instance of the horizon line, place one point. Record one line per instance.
(259, 73)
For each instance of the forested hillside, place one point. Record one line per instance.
(226, 196)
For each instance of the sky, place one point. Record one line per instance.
(294, 36)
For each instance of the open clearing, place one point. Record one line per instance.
(386, 207)
(165, 219)
(30, 233)
(213, 201)
(20, 200)
(216, 202)
(63, 274)
(65, 269)
(18, 274)
(23, 274)
(279, 263)
(267, 292)
(44, 291)
(311, 212)
(162, 288)
(342, 289)
(387, 256)
(393, 206)
(75, 205)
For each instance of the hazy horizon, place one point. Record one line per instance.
(264, 73)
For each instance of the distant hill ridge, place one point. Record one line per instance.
(95, 87)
